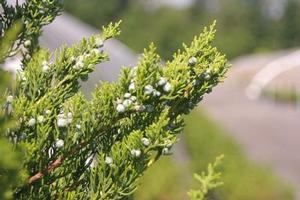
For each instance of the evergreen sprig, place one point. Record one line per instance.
(33, 15)
(75, 148)
(208, 180)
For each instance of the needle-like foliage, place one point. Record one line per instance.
(208, 181)
(76, 148)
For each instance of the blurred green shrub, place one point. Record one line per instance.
(10, 173)
(289, 96)
(10, 165)
(242, 179)
(243, 25)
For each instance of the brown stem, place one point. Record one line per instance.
(55, 164)
(58, 162)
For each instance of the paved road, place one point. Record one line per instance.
(268, 132)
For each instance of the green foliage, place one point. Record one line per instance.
(10, 160)
(162, 181)
(5, 83)
(168, 27)
(288, 26)
(280, 95)
(242, 179)
(208, 181)
(10, 165)
(98, 11)
(76, 148)
(8, 40)
(32, 15)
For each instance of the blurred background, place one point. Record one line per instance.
(253, 117)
